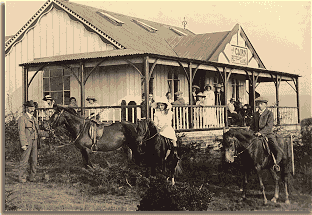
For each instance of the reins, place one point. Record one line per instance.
(73, 141)
(244, 149)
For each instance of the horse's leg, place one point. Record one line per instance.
(265, 201)
(286, 190)
(244, 185)
(276, 178)
(85, 156)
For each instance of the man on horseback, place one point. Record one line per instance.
(262, 125)
(162, 120)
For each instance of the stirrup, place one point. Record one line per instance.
(276, 167)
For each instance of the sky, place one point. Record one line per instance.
(280, 31)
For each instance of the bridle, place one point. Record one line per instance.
(237, 154)
(147, 139)
(56, 120)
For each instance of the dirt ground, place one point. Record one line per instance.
(49, 195)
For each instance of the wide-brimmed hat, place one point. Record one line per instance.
(161, 101)
(200, 94)
(30, 104)
(47, 97)
(91, 98)
(195, 86)
(261, 100)
(218, 85)
(179, 93)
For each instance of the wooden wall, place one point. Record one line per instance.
(54, 34)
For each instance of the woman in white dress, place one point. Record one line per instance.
(162, 120)
(211, 118)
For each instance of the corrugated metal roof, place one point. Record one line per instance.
(130, 35)
(199, 47)
(86, 55)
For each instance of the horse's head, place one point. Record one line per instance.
(146, 130)
(234, 139)
(57, 118)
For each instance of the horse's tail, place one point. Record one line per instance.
(178, 169)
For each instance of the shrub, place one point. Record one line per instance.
(162, 196)
(12, 144)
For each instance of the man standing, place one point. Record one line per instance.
(28, 133)
(262, 124)
(180, 100)
(219, 96)
(195, 89)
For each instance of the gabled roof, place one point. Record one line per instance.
(126, 32)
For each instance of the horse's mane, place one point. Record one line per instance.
(145, 124)
(241, 134)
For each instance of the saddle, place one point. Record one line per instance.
(96, 132)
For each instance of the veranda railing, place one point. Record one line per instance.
(186, 117)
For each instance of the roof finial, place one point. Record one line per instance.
(184, 23)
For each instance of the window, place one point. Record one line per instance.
(173, 82)
(56, 82)
(110, 18)
(237, 89)
(145, 26)
(151, 85)
(180, 33)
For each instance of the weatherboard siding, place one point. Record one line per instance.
(54, 34)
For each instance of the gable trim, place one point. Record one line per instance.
(89, 25)
(18, 37)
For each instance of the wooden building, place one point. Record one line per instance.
(68, 49)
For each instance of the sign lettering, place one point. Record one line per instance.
(239, 55)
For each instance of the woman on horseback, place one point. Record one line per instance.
(162, 120)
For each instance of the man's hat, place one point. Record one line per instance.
(195, 86)
(218, 86)
(232, 99)
(179, 93)
(200, 94)
(30, 104)
(91, 98)
(261, 100)
(47, 97)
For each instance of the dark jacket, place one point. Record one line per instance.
(179, 101)
(264, 123)
(28, 129)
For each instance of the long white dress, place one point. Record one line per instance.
(163, 123)
(211, 119)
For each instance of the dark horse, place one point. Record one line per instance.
(153, 149)
(112, 136)
(242, 143)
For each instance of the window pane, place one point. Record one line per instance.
(46, 86)
(46, 73)
(66, 97)
(56, 72)
(56, 84)
(67, 72)
(66, 82)
(58, 97)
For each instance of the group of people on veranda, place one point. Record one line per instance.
(29, 133)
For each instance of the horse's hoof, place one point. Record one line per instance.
(273, 200)
(265, 202)
(287, 202)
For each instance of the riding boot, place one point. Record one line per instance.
(175, 150)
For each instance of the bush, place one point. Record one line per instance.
(12, 144)
(162, 196)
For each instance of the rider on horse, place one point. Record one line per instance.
(162, 120)
(262, 125)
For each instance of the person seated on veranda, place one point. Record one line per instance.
(94, 114)
(162, 120)
(200, 99)
(238, 119)
(262, 125)
(180, 100)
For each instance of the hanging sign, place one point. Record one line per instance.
(239, 55)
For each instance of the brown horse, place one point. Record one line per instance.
(110, 137)
(153, 149)
(242, 143)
